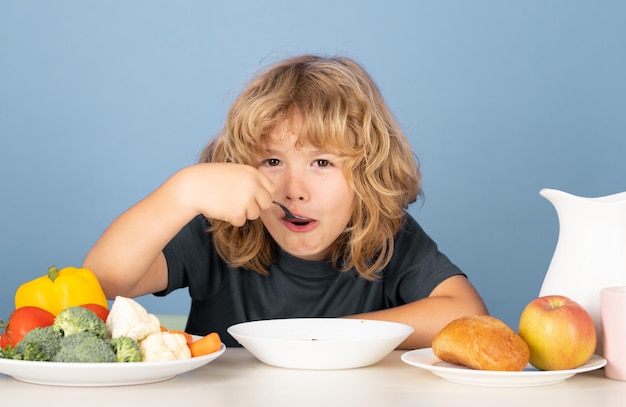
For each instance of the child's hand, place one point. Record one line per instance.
(229, 192)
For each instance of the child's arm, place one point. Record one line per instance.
(451, 299)
(128, 257)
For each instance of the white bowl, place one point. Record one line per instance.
(320, 343)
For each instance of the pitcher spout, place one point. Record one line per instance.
(555, 195)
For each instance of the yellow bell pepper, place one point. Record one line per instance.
(60, 289)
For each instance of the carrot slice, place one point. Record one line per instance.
(207, 344)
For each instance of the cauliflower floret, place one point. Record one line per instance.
(163, 346)
(128, 318)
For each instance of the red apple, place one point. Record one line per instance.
(559, 332)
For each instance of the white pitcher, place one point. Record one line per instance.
(591, 249)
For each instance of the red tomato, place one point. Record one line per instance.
(100, 310)
(23, 320)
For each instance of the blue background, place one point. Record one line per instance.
(100, 101)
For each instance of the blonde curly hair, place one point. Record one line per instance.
(340, 109)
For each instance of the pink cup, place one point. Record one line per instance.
(613, 322)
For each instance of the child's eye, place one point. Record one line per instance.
(322, 163)
(271, 162)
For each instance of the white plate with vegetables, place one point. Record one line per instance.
(81, 349)
(102, 374)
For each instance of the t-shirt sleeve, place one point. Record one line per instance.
(186, 253)
(417, 266)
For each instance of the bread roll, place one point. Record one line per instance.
(481, 342)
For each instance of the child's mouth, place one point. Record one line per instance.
(298, 222)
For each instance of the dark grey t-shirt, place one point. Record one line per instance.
(222, 296)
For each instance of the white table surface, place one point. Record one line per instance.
(238, 379)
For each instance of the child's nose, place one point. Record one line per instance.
(295, 186)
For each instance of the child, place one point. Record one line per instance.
(314, 134)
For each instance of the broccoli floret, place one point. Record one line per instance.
(126, 349)
(73, 320)
(8, 352)
(84, 347)
(39, 344)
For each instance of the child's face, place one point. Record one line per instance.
(311, 183)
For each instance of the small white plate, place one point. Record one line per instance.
(101, 374)
(426, 359)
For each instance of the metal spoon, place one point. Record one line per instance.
(288, 214)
